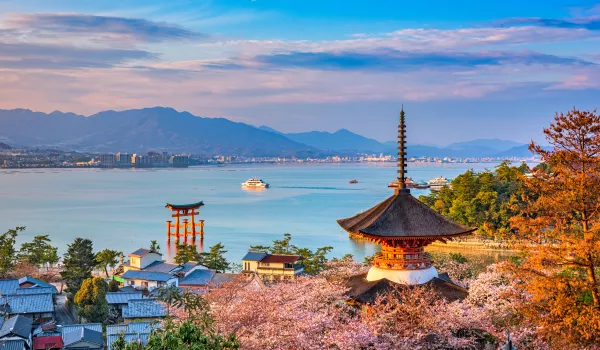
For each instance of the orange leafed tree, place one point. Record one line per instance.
(559, 230)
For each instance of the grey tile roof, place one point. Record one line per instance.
(188, 266)
(147, 276)
(92, 326)
(129, 338)
(122, 298)
(160, 266)
(82, 334)
(35, 290)
(8, 286)
(197, 278)
(133, 327)
(13, 344)
(220, 278)
(143, 251)
(143, 308)
(127, 289)
(28, 303)
(37, 283)
(254, 256)
(19, 326)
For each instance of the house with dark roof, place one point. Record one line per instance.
(117, 300)
(132, 332)
(28, 282)
(37, 307)
(148, 309)
(13, 344)
(272, 267)
(16, 328)
(82, 336)
(147, 270)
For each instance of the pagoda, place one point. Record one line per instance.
(403, 226)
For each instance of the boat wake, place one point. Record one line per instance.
(319, 188)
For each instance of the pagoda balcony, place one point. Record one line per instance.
(406, 262)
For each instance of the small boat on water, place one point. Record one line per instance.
(409, 184)
(438, 183)
(354, 181)
(255, 183)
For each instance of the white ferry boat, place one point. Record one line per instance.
(255, 183)
(437, 183)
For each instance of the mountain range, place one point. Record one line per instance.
(165, 129)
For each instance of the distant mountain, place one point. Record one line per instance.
(266, 128)
(519, 151)
(340, 141)
(4, 146)
(488, 144)
(159, 129)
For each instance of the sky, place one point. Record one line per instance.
(462, 70)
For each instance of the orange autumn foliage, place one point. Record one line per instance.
(559, 232)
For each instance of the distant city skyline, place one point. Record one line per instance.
(463, 70)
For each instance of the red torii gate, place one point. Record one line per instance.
(184, 211)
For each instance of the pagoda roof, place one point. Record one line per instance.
(184, 206)
(402, 216)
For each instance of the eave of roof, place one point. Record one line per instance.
(402, 217)
(185, 206)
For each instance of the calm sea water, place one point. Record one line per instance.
(124, 209)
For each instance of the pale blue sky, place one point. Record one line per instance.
(462, 69)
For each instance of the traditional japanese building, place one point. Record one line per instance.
(403, 226)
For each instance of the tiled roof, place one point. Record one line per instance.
(13, 344)
(280, 258)
(133, 327)
(197, 278)
(129, 338)
(143, 251)
(8, 286)
(46, 329)
(122, 298)
(19, 326)
(160, 266)
(53, 342)
(28, 303)
(254, 256)
(143, 308)
(35, 290)
(188, 266)
(220, 278)
(82, 334)
(37, 283)
(146, 275)
(127, 289)
(72, 327)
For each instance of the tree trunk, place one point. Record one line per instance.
(591, 275)
(106, 271)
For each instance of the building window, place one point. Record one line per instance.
(131, 283)
(288, 266)
(264, 264)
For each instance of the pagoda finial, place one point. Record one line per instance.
(401, 153)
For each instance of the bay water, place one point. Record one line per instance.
(124, 209)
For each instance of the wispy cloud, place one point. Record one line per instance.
(79, 24)
(587, 23)
(44, 56)
(393, 60)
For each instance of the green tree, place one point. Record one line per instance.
(215, 258)
(114, 286)
(154, 247)
(186, 253)
(91, 300)
(106, 258)
(39, 252)
(79, 261)
(8, 251)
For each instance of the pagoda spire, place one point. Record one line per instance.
(402, 154)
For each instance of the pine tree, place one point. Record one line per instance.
(79, 262)
(215, 258)
(8, 251)
(39, 252)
